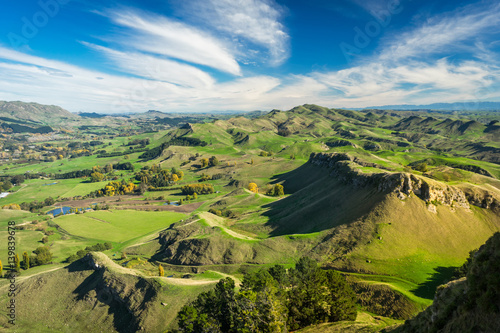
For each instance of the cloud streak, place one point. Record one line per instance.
(166, 37)
(254, 21)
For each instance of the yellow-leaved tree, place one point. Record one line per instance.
(253, 187)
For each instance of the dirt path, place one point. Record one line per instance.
(26, 277)
(217, 221)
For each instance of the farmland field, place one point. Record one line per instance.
(116, 226)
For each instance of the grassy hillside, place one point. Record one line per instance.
(393, 201)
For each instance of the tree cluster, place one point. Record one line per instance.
(155, 176)
(197, 188)
(115, 188)
(276, 191)
(81, 253)
(271, 300)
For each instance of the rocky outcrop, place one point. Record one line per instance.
(343, 167)
(482, 198)
(128, 296)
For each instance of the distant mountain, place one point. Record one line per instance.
(457, 106)
(91, 115)
(45, 114)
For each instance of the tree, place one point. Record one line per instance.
(1, 269)
(96, 177)
(108, 168)
(253, 187)
(17, 263)
(213, 161)
(276, 191)
(43, 255)
(251, 161)
(49, 201)
(204, 162)
(26, 260)
(161, 271)
(195, 196)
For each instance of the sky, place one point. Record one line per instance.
(244, 55)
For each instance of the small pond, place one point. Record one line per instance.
(64, 210)
(172, 203)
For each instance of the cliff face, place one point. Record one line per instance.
(470, 304)
(342, 167)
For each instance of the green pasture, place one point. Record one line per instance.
(116, 226)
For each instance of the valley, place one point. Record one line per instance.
(392, 200)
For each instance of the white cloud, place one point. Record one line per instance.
(445, 33)
(164, 36)
(155, 68)
(256, 21)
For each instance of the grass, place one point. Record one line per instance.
(37, 189)
(116, 226)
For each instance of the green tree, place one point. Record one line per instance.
(213, 161)
(26, 260)
(43, 255)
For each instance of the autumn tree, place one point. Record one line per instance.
(1, 269)
(17, 263)
(96, 177)
(253, 187)
(161, 271)
(204, 162)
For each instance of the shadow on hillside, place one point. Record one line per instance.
(316, 202)
(95, 292)
(440, 276)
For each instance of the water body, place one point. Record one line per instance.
(174, 203)
(49, 184)
(4, 194)
(64, 210)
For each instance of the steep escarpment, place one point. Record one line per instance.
(470, 304)
(90, 295)
(346, 168)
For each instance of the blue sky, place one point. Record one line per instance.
(204, 55)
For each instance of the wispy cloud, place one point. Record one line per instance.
(155, 68)
(255, 21)
(445, 33)
(163, 36)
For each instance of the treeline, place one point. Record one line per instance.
(114, 188)
(121, 153)
(6, 182)
(155, 176)
(81, 253)
(197, 188)
(88, 172)
(181, 141)
(271, 300)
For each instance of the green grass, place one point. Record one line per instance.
(116, 226)
(37, 189)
